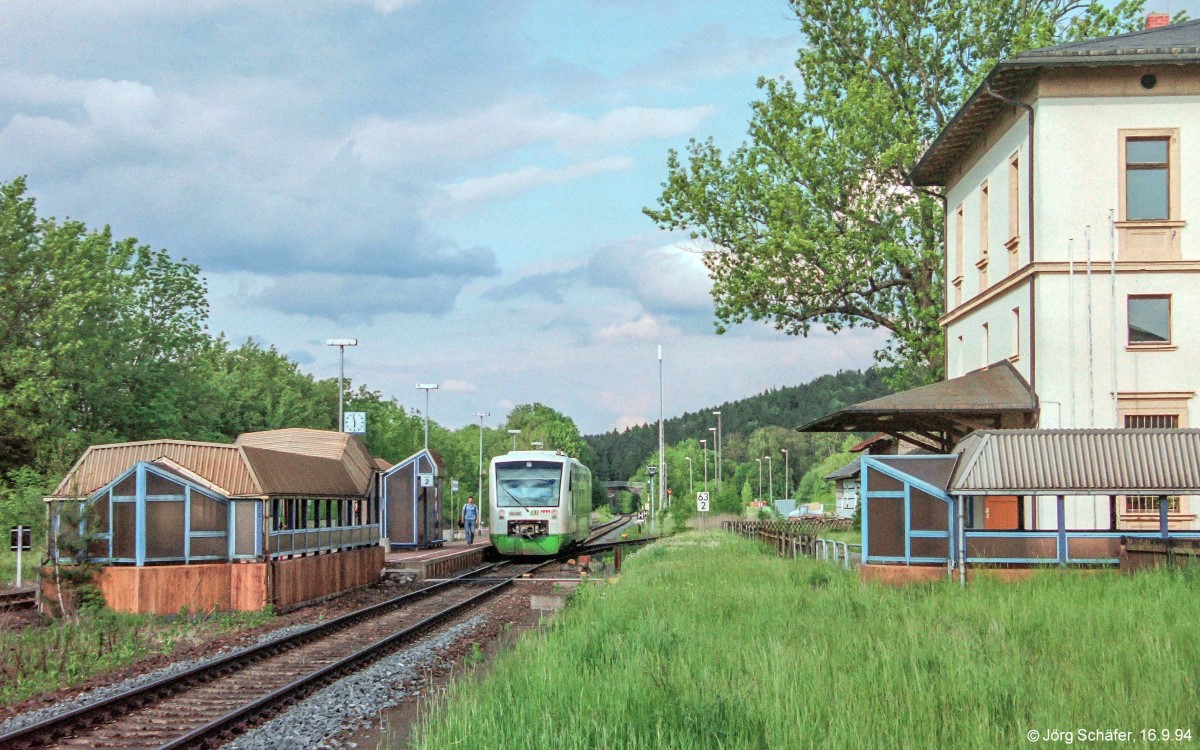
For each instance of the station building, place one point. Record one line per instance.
(1072, 270)
(280, 518)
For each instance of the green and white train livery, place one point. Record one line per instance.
(541, 502)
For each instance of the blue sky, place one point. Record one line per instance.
(457, 184)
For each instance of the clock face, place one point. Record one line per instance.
(354, 422)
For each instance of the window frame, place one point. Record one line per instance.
(1131, 345)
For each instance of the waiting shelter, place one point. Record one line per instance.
(280, 517)
(1003, 498)
(412, 502)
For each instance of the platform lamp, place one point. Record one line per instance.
(720, 452)
(786, 475)
(770, 479)
(691, 471)
(759, 479)
(341, 344)
(704, 453)
(514, 433)
(537, 445)
(427, 387)
(481, 415)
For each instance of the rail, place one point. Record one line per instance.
(51, 729)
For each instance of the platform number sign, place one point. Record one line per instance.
(702, 499)
(426, 480)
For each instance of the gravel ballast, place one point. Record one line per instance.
(21, 721)
(353, 702)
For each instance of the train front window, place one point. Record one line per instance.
(528, 484)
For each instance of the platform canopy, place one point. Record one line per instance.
(1078, 462)
(938, 416)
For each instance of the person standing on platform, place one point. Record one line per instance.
(468, 518)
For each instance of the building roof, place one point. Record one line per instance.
(223, 466)
(995, 396)
(846, 472)
(277, 462)
(1171, 44)
(1078, 462)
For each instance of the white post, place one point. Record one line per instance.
(479, 492)
(662, 464)
(20, 538)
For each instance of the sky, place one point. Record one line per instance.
(458, 185)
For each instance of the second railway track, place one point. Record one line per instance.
(207, 705)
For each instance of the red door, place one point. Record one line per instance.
(1000, 512)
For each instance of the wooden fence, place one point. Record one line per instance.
(1140, 554)
(787, 538)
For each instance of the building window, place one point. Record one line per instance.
(1150, 504)
(982, 263)
(1016, 335)
(985, 346)
(1151, 421)
(1149, 320)
(1149, 195)
(1147, 179)
(1014, 212)
(958, 256)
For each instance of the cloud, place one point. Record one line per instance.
(667, 280)
(457, 386)
(712, 52)
(643, 328)
(509, 184)
(384, 143)
(549, 286)
(350, 299)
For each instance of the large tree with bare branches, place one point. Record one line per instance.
(811, 221)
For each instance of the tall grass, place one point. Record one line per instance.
(708, 641)
(43, 658)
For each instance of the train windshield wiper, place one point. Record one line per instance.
(513, 497)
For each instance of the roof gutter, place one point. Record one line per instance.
(987, 87)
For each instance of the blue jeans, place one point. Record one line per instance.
(470, 529)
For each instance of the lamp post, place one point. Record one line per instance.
(341, 344)
(720, 452)
(712, 431)
(537, 445)
(759, 479)
(481, 415)
(427, 387)
(662, 461)
(786, 475)
(691, 472)
(514, 433)
(770, 479)
(704, 455)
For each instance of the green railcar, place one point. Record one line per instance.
(541, 502)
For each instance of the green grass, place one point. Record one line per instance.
(8, 565)
(707, 641)
(43, 658)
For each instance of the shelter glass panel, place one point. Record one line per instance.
(878, 481)
(935, 471)
(1017, 548)
(885, 527)
(156, 485)
(124, 534)
(127, 487)
(97, 515)
(209, 546)
(208, 514)
(244, 541)
(1093, 548)
(928, 513)
(164, 529)
(925, 546)
(98, 549)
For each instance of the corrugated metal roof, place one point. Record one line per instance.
(343, 447)
(1078, 462)
(278, 462)
(222, 465)
(287, 473)
(1176, 43)
(849, 470)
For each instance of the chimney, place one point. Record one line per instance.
(1156, 20)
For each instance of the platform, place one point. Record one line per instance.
(423, 564)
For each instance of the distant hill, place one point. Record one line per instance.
(620, 453)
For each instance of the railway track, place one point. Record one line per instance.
(207, 705)
(607, 528)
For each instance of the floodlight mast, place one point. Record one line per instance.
(427, 387)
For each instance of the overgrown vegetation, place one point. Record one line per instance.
(710, 641)
(39, 659)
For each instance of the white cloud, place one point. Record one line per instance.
(508, 184)
(643, 328)
(457, 386)
(384, 143)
